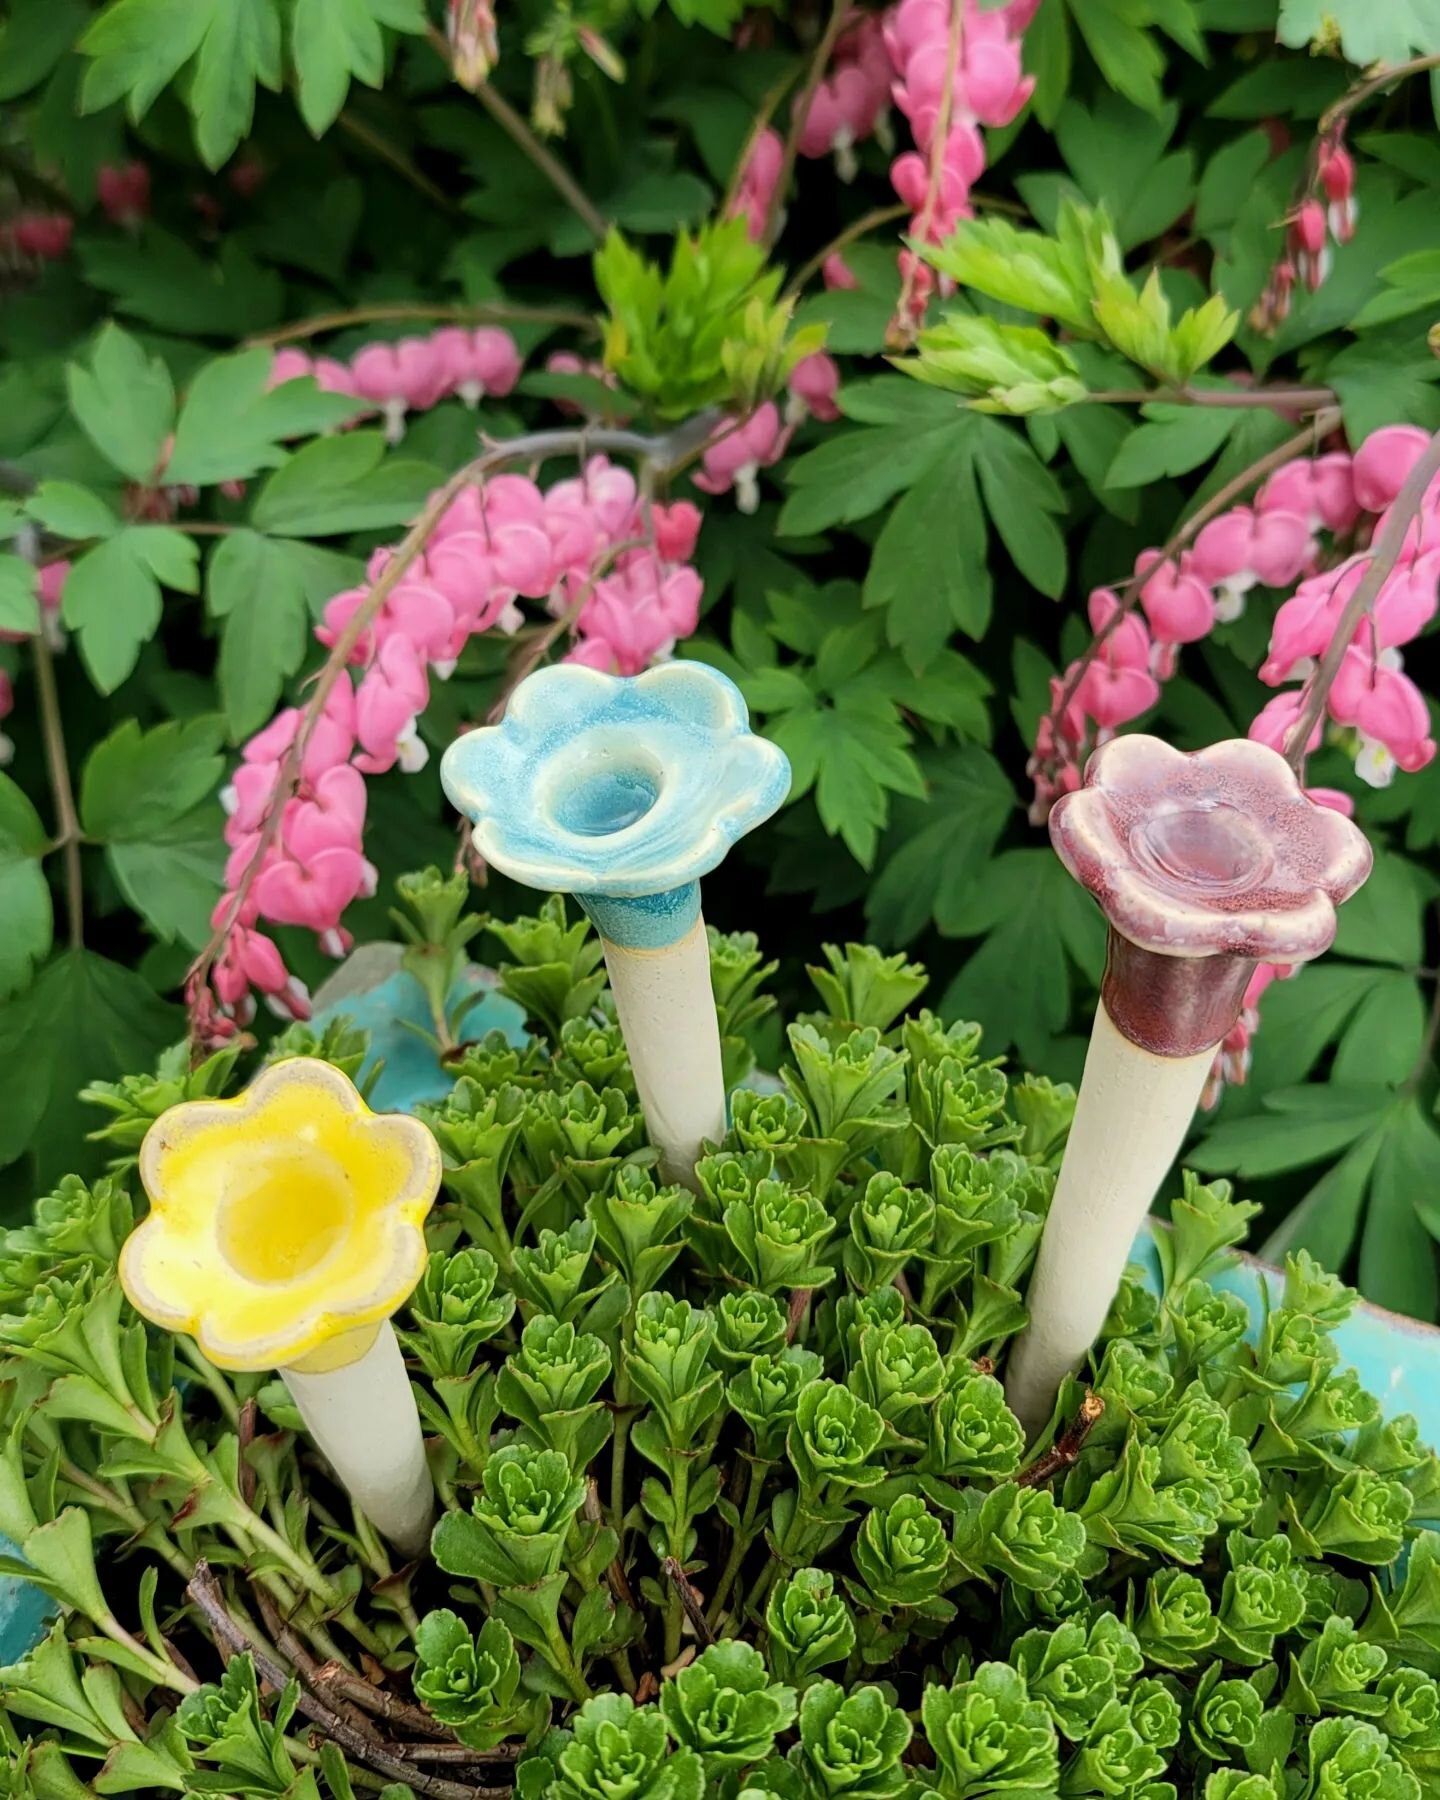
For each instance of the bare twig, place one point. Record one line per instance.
(690, 1600)
(1384, 553)
(457, 1753)
(814, 74)
(206, 1592)
(1280, 399)
(67, 823)
(397, 311)
(289, 1643)
(331, 1677)
(1319, 428)
(1067, 1447)
(772, 97)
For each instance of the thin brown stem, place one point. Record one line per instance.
(397, 311)
(290, 1644)
(814, 75)
(1384, 553)
(208, 1596)
(457, 1753)
(365, 1695)
(67, 822)
(1356, 96)
(380, 146)
(861, 227)
(1281, 399)
(1315, 432)
(518, 131)
(772, 97)
(1067, 1447)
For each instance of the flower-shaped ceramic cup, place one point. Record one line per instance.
(624, 791)
(286, 1226)
(1204, 864)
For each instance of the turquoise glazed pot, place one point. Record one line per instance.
(1397, 1359)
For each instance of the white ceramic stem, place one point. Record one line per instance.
(667, 1013)
(364, 1419)
(1131, 1117)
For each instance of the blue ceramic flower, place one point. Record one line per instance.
(620, 790)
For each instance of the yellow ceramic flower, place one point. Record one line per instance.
(284, 1224)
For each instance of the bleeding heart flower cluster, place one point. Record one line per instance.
(413, 373)
(1271, 543)
(852, 100)
(613, 568)
(742, 448)
(35, 237)
(1327, 214)
(985, 86)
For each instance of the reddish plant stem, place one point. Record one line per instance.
(814, 75)
(861, 227)
(1067, 1447)
(1384, 553)
(67, 823)
(1356, 96)
(419, 310)
(1319, 428)
(902, 329)
(1282, 399)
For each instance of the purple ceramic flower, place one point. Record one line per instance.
(1216, 857)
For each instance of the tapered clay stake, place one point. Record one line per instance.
(624, 791)
(1204, 864)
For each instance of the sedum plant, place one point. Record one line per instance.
(730, 1502)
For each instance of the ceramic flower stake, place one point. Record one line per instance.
(285, 1227)
(1204, 864)
(623, 791)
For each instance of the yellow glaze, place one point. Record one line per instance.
(284, 1224)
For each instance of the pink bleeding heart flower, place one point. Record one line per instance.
(593, 653)
(1383, 462)
(333, 815)
(991, 84)
(1275, 721)
(836, 273)
(464, 571)
(477, 363)
(388, 703)
(612, 493)
(1114, 696)
(813, 384)
(333, 377)
(735, 457)
(399, 378)
(314, 893)
(524, 560)
(1128, 645)
(1334, 798)
(44, 236)
(1406, 603)
(677, 528)
(418, 611)
(1177, 603)
(512, 500)
(1336, 171)
(1388, 711)
(758, 181)
(247, 797)
(124, 192)
(339, 610)
(288, 364)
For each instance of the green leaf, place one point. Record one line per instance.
(1020, 495)
(1126, 54)
(260, 586)
(1037, 923)
(139, 46)
(1327, 1219)
(1413, 285)
(83, 1019)
(33, 39)
(63, 1554)
(24, 892)
(112, 596)
(124, 401)
(19, 603)
(161, 280)
(232, 426)
(1173, 441)
(1302, 1017)
(343, 484)
(1384, 921)
(1300, 1126)
(928, 567)
(173, 876)
(1365, 33)
(71, 511)
(854, 758)
(1385, 1034)
(1117, 154)
(853, 473)
(332, 41)
(939, 845)
(135, 782)
(1397, 1256)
